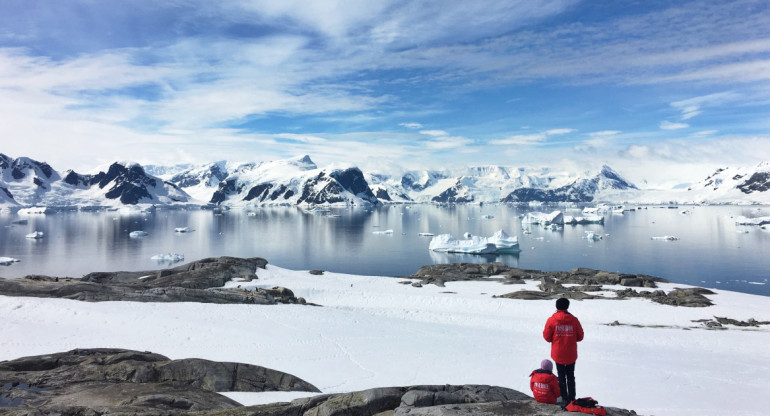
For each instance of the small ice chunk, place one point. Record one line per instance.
(487, 217)
(19, 222)
(665, 238)
(383, 232)
(138, 234)
(555, 217)
(7, 261)
(467, 235)
(593, 236)
(182, 229)
(425, 234)
(35, 234)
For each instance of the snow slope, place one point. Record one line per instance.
(374, 332)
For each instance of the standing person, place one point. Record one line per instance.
(563, 331)
(544, 385)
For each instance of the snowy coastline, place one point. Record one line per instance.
(374, 332)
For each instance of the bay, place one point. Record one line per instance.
(711, 250)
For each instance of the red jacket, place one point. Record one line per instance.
(545, 386)
(563, 331)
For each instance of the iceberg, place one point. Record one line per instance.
(665, 237)
(168, 257)
(7, 261)
(498, 243)
(383, 232)
(587, 219)
(138, 234)
(592, 235)
(555, 217)
(35, 234)
(425, 234)
(182, 230)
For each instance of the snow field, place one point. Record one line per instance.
(375, 332)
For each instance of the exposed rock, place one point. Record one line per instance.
(316, 272)
(200, 281)
(116, 381)
(581, 281)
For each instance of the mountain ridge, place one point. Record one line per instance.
(298, 181)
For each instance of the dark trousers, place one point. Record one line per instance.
(566, 381)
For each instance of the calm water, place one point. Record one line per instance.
(711, 252)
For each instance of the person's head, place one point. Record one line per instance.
(562, 304)
(546, 365)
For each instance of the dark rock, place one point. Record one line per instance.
(110, 381)
(316, 272)
(199, 281)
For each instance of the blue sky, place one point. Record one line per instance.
(662, 91)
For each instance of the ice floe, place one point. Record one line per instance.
(752, 221)
(138, 234)
(592, 235)
(7, 261)
(665, 238)
(182, 230)
(542, 218)
(586, 219)
(499, 242)
(35, 234)
(383, 232)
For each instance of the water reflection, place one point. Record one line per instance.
(711, 250)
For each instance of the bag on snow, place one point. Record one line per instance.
(586, 405)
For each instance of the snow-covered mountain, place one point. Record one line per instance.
(499, 184)
(299, 181)
(296, 181)
(26, 182)
(734, 184)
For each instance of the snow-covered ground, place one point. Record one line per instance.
(375, 332)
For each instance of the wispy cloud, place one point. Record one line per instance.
(411, 125)
(667, 125)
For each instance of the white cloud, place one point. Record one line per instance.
(520, 139)
(667, 125)
(434, 133)
(444, 143)
(411, 125)
(559, 131)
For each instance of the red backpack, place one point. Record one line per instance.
(586, 405)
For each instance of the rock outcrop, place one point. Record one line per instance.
(200, 281)
(582, 282)
(116, 381)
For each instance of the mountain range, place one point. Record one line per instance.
(25, 182)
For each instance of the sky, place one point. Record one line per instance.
(663, 92)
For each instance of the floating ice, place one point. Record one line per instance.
(138, 234)
(487, 217)
(467, 235)
(168, 257)
(555, 217)
(19, 222)
(182, 230)
(383, 232)
(665, 238)
(587, 219)
(7, 261)
(425, 234)
(499, 242)
(592, 235)
(35, 234)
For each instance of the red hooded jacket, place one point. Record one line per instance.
(544, 385)
(563, 331)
